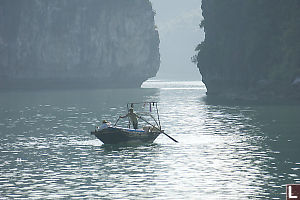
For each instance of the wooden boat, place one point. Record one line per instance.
(118, 135)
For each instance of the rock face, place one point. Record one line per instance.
(251, 48)
(76, 43)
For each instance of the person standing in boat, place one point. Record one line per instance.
(133, 118)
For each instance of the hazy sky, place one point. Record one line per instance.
(178, 25)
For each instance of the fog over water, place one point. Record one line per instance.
(178, 26)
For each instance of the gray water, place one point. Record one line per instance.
(226, 150)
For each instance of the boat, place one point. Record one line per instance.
(119, 135)
(112, 134)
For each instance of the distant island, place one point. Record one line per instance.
(251, 49)
(76, 43)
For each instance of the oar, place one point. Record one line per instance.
(160, 130)
(117, 121)
(169, 136)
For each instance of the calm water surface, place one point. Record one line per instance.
(225, 151)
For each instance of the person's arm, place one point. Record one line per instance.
(138, 117)
(123, 116)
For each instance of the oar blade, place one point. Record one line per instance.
(169, 137)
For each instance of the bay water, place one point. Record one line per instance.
(226, 150)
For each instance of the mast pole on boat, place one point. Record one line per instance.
(128, 118)
(158, 116)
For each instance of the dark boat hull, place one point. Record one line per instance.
(113, 135)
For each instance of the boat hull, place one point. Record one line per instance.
(114, 135)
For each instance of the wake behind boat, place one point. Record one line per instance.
(111, 134)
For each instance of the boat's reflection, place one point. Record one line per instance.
(128, 146)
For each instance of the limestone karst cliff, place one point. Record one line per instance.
(251, 48)
(75, 43)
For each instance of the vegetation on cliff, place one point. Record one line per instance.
(251, 47)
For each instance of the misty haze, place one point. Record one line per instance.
(149, 99)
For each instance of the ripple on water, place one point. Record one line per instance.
(224, 152)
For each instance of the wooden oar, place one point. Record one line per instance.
(117, 121)
(158, 129)
(169, 136)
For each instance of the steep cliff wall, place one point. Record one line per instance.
(251, 48)
(74, 43)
